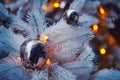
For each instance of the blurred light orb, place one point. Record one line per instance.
(62, 4)
(33, 54)
(44, 7)
(95, 28)
(102, 11)
(102, 51)
(48, 62)
(56, 5)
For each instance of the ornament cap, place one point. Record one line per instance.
(71, 17)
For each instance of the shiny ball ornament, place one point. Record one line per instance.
(71, 17)
(33, 54)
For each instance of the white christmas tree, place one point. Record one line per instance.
(71, 57)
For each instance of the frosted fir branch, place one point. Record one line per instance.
(8, 68)
(70, 51)
(87, 20)
(66, 46)
(4, 14)
(20, 13)
(69, 47)
(36, 17)
(91, 6)
(77, 5)
(79, 38)
(12, 66)
(58, 34)
(5, 47)
(3, 54)
(39, 14)
(59, 73)
(17, 71)
(17, 4)
(12, 20)
(85, 63)
(10, 62)
(87, 53)
(107, 74)
(80, 68)
(69, 33)
(40, 75)
(56, 26)
(32, 21)
(37, 4)
(75, 38)
(10, 39)
(18, 23)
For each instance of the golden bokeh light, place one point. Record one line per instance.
(102, 51)
(102, 11)
(48, 62)
(95, 28)
(56, 5)
(43, 38)
(44, 7)
(7, 1)
(19, 58)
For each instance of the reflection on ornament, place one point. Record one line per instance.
(33, 54)
(71, 17)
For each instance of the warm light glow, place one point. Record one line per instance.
(43, 38)
(102, 11)
(7, 1)
(95, 27)
(48, 62)
(19, 58)
(56, 5)
(44, 7)
(102, 51)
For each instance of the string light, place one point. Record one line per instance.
(43, 38)
(19, 58)
(44, 7)
(102, 51)
(48, 62)
(102, 11)
(95, 28)
(56, 5)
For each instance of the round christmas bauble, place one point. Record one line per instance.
(33, 54)
(71, 17)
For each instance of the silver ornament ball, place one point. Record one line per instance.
(33, 54)
(71, 17)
